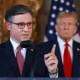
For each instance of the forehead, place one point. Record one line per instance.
(66, 19)
(22, 17)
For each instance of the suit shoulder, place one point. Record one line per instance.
(46, 44)
(45, 47)
(76, 43)
(2, 44)
(76, 46)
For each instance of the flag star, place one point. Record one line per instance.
(67, 3)
(53, 15)
(66, 10)
(61, 9)
(73, 5)
(62, 1)
(54, 7)
(52, 23)
(55, 0)
(50, 31)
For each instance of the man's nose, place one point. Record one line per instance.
(26, 28)
(66, 26)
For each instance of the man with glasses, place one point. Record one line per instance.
(14, 60)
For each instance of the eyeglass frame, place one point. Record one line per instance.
(29, 24)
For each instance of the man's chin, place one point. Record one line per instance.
(25, 39)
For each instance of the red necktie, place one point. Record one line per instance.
(79, 33)
(20, 60)
(67, 62)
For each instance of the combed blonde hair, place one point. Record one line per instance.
(67, 14)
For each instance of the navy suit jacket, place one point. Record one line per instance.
(44, 48)
(8, 64)
(9, 67)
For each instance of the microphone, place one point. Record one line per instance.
(26, 44)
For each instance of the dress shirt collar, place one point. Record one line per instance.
(15, 45)
(62, 47)
(62, 43)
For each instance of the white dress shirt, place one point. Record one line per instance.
(15, 45)
(62, 47)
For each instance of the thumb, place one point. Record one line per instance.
(53, 49)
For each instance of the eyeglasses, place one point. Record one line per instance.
(22, 25)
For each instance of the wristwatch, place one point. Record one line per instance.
(50, 73)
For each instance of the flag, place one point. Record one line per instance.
(76, 37)
(57, 6)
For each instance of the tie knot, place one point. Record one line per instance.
(79, 33)
(66, 44)
(19, 47)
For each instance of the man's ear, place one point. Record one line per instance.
(56, 27)
(75, 29)
(7, 25)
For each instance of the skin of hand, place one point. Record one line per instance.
(51, 60)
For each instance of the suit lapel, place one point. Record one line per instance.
(58, 54)
(11, 57)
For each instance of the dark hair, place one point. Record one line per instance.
(15, 10)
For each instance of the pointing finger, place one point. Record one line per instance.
(53, 49)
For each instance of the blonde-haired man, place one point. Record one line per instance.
(65, 27)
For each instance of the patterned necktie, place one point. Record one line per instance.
(20, 60)
(67, 62)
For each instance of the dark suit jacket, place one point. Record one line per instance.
(44, 48)
(9, 67)
(8, 64)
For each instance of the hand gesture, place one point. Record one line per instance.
(51, 60)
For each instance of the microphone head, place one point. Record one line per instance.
(26, 44)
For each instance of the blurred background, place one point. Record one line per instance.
(40, 8)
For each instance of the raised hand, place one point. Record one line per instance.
(51, 60)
